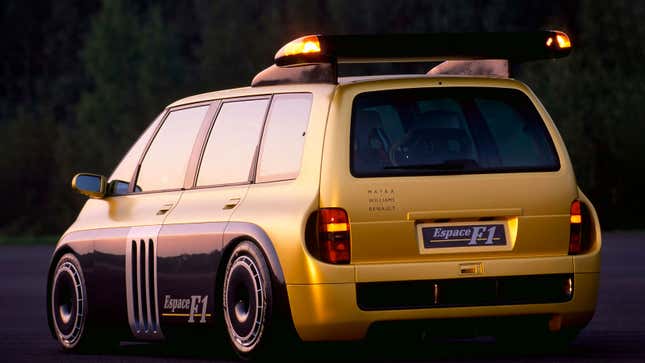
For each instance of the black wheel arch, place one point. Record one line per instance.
(61, 250)
(237, 232)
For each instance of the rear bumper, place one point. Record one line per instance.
(331, 311)
(465, 292)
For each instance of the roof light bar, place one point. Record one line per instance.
(561, 41)
(314, 58)
(520, 46)
(301, 51)
(303, 45)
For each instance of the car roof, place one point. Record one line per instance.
(405, 80)
(381, 77)
(254, 91)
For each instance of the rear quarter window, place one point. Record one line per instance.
(284, 137)
(448, 131)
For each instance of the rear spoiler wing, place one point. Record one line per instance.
(314, 58)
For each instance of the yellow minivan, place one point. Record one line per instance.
(326, 206)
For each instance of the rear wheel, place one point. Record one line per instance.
(247, 299)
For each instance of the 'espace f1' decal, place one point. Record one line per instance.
(196, 306)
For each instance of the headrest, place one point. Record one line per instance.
(436, 119)
(368, 119)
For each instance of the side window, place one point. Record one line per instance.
(284, 137)
(232, 143)
(122, 175)
(164, 166)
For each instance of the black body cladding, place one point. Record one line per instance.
(188, 264)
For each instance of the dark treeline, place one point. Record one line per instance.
(82, 78)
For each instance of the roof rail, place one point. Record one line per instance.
(314, 58)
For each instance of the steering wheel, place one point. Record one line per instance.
(415, 144)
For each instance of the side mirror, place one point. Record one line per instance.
(92, 185)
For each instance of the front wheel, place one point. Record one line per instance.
(247, 299)
(68, 302)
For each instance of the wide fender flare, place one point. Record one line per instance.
(243, 231)
(238, 231)
(83, 251)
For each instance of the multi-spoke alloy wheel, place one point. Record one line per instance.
(68, 302)
(246, 298)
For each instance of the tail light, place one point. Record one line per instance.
(575, 236)
(333, 244)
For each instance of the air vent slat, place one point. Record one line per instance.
(151, 285)
(141, 283)
(135, 290)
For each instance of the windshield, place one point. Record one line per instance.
(458, 130)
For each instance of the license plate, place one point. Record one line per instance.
(475, 235)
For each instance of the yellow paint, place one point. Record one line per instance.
(347, 322)
(533, 207)
(184, 314)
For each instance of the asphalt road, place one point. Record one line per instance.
(616, 334)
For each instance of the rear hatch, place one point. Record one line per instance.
(446, 169)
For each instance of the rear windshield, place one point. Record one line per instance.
(448, 131)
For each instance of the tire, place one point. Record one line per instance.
(247, 300)
(68, 303)
(68, 307)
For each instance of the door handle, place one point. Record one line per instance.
(164, 209)
(232, 203)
